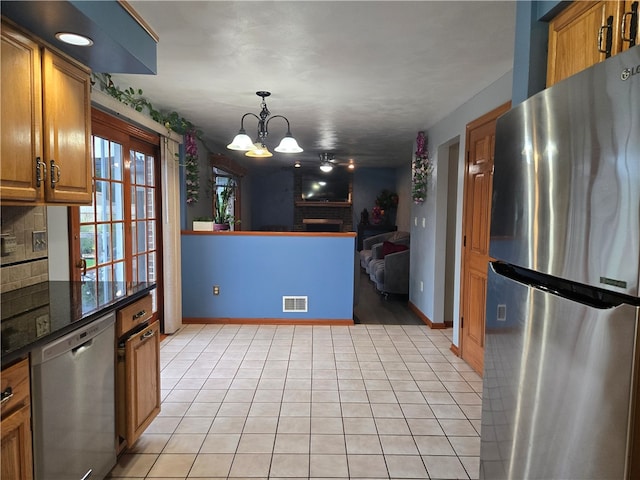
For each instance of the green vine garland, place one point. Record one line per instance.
(172, 122)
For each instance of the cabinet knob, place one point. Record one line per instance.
(633, 25)
(54, 178)
(41, 172)
(6, 395)
(147, 335)
(609, 39)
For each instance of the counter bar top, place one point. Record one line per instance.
(35, 315)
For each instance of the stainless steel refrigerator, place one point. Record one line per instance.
(561, 355)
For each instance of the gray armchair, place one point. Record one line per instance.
(391, 272)
(369, 243)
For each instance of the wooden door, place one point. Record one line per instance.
(630, 26)
(67, 130)
(476, 221)
(142, 354)
(578, 37)
(21, 129)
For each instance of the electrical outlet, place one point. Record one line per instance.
(216, 290)
(9, 245)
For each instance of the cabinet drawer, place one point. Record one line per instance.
(133, 315)
(14, 385)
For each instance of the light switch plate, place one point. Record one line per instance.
(39, 240)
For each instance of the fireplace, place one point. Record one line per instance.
(320, 216)
(322, 225)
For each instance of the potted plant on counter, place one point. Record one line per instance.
(222, 198)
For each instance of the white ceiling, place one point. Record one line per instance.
(356, 79)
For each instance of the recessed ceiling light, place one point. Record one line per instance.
(74, 39)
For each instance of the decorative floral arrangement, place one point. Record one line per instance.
(421, 170)
(192, 173)
(376, 215)
(387, 199)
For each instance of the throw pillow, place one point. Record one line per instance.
(390, 247)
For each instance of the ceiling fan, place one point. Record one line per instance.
(328, 162)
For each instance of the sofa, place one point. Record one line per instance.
(385, 258)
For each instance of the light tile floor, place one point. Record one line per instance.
(368, 401)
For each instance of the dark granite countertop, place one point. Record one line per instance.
(35, 315)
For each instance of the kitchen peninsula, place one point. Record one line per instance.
(268, 277)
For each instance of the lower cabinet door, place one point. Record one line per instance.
(142, 381)
(16, 459)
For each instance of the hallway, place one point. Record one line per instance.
(368, 401)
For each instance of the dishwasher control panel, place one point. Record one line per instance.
(72, 341)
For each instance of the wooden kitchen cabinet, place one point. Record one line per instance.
(138, 385)
(16, 451)
(578, 37)
(586, 33)
(45, 155)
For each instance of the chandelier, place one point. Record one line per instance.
(257, 148)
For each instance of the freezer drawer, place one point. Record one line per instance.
(557, 386)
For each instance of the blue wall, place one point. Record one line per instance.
(367, 184)
(271, 197)
(272, 193)
(255, 271)
(530, 50)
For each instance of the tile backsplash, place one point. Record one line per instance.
(23, 252)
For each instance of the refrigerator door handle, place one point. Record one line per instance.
(576, 292)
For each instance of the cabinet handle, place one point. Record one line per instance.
(54, 168)
(633, 28)
(139, 314)
(6, 395)
(41, 172)
(147, 335)
(609, 40)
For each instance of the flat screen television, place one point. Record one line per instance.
(330, 186)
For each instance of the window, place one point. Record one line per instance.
(225, 171)
(115, 238)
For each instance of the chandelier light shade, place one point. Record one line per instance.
(259, 150)
(242, 141)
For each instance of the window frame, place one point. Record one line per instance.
(131, 138)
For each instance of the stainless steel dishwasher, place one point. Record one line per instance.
(73, 380)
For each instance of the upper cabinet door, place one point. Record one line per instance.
(67, 130)
(21, 117)
(583, 34)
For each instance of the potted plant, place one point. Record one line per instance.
(222, 197)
